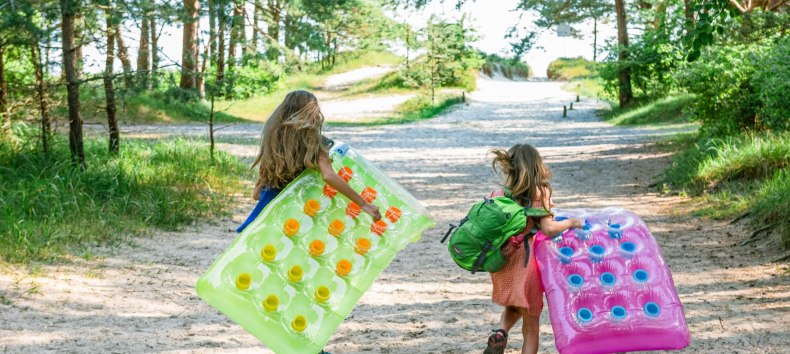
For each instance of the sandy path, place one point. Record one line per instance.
(140, 299)
(340, 81)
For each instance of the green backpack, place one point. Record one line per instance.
(477, 240)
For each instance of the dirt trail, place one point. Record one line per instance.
(140, 299)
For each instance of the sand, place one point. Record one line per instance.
(139, 297)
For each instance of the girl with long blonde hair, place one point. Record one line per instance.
(517, 285)
(291, 142)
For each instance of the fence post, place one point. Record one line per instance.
(564, 111)
(577, 98)
(463, 96)
(571, 106)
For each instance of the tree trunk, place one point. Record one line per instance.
(200, 81)
(123, 55)
(221, 18)
(595, 39)
(46, 130)
(234, 38)
(689, 14)
(68, 10)
(661, 14)
(275, 9)
(109, 91)
(144, 52)
(624, 72)
(154, 51)
(242, 32)
(6, 123)
(212, 30)
(190, 52)
(256, 18)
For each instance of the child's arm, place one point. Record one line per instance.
(332, 179)
(551, 227)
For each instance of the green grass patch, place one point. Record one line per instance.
(570, 68)
(590, 87)
(348, 61)
(737, 174)
(772, 205)
(415, 109)
(667, 110)
(49, 208)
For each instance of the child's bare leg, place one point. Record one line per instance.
(531, 330)
(510, 315)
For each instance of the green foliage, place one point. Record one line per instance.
(772, 204)
(418, 108)
(711, 161)
(511, 68)
(740, 173)
(729, 81)
(653, 60)
(258, 77)
(667, 110)
(772, 86)
(48, 208)
(449, 60)
(570, 68)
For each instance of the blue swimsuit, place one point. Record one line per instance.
(267, 195)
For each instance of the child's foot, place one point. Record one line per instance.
(497, 342)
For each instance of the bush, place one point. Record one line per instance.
(570, 68)
(772, 86)
(48, 207)
(508, 67)
(722, 80)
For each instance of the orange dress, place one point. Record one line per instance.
(515, 284)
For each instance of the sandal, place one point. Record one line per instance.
(497, 342)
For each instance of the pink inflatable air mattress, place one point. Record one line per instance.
(607, 286)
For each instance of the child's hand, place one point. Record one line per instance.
(576, 223)
(372, 210)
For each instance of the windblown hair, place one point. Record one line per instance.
(525, 174)
(290, 141)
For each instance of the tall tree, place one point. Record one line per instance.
(46, 129)
(221, 25)
(212, 31)
(154, 50)
(189, 54)
(69, 10)
(109, 90)
(6, 122)
(275, 8)
(144, 51)
(256, 12)
(623, 71)
(235, 25)
(123, 55)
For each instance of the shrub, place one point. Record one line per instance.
(570, 68)
(772, 87)
(722, 79)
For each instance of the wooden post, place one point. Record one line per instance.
(564, 112)
(571, 106)
(463, 96)
(577, 98)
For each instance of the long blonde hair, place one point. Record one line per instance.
(525, 173)
(290, 141)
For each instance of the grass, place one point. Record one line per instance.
(737, 174)
(510, 68)
(415, 109)
(591, 87)
(566, 69)
(48, 208)
(667, 110)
